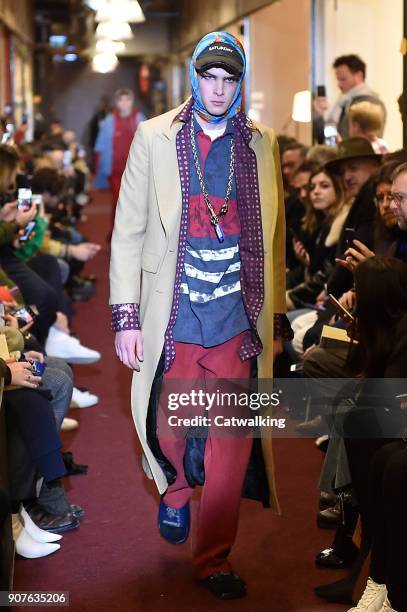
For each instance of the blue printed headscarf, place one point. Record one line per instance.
(237, 99)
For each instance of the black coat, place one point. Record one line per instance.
(361, 218)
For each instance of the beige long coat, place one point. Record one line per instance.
(144, 253)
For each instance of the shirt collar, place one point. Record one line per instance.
(241, 121)
(228, 130)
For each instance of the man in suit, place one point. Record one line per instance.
(198, 288)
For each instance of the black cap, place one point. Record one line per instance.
(220, 54)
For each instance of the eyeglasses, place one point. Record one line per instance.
(397, 197)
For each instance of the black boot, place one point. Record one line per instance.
(343, 552)
(341, 591)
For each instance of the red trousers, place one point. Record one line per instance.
(225, 460)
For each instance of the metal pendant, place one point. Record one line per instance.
(219, 232)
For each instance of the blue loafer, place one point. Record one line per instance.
(174, 523)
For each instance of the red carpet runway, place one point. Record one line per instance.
(116, 560)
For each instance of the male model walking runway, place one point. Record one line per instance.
(198, 286)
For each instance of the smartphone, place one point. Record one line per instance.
(24, 198)
(349, 234)
(81, 152)
(2, 314)
(37, 200)
(343, 312)
(321, 91)
(67, 158)
(330, 134)
(25, 315)
(296, 367)
(28, 231)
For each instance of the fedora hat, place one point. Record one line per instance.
(352, 148)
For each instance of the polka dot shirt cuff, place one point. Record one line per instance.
(125, 316)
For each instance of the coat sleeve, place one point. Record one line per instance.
(279, 272)
(130, 225)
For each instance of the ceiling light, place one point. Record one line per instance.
(57, 40)
(105, 45)
(70, 57)
(104, 62)
(120, 10)
(115, 30)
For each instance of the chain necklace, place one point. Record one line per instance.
(224, 208)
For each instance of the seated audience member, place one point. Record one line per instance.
(30, 419)
(385, 512)
(295, 208)
(356, 163)
(322, 222)
(292, 156)
(369, 423)
(366, 119)
(391, 228)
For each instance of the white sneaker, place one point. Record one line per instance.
(69, 348)
(29, 548)
(83, 399)
(69, 424)
(387, 607)
(372, 599)
(39, 535)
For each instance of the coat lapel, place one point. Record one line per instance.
(166, 179)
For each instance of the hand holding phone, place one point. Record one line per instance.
(23, 217)
(320, 101)
(342, 311)
(331, 135)
(30, 227)
(25, 315)
(24, 200)
(349, 235)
